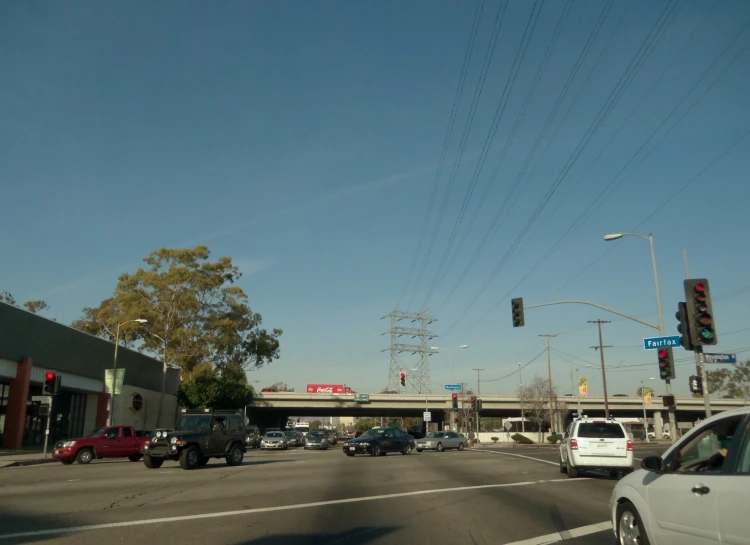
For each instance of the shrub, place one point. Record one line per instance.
(553, 439)
(518, 438)
(495, 439)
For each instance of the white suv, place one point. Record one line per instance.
(596, 445)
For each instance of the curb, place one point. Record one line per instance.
(20, 463)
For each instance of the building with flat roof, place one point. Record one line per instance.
(31, 346)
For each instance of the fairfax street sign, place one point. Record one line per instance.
(453, 387)
(721, 358)
(661, 342)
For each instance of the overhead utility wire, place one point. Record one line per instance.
(494, 226)
(490, 138)
(585, 140)
(452, 120)
(499, 18)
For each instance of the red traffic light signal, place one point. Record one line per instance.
(403, 379)
(51, 384)
(473, 403)
(702, 330)
(666, 364)
(517, 307)
(455, 402)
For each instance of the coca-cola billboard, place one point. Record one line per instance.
(328, 389)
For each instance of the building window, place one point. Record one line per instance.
(4, 392)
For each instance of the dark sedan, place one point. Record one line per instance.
(379, 442)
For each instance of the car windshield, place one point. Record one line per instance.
(435, 434)
(96, 432)
(317, 433)
(194, 422)
(600, 430)
(289, 433)
(274, 434)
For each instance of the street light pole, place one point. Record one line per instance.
(645, 420)
(650, 238)
(114, 370)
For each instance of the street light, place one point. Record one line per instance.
(114, 371)
(643, 397)
(451, 350)
(163, 377)
(650, 238)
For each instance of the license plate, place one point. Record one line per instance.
(352, 448)
(603, 445)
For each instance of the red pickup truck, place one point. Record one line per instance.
(109, 442)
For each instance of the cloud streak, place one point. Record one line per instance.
(385, 181)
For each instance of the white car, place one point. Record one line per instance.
(591, 444)
(698, 491)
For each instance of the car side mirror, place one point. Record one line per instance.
(653, 463)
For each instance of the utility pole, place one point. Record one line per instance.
(601, 348)
(478, 393)
(420, 380)
(549, 383)
(520, 396)
(700, 361)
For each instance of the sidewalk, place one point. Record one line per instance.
(9, 458)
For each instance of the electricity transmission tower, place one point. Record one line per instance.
(420, 378)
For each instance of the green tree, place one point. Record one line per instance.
(35, 307)
(209, 390)
(316, 424)
(733, 381)
(195, 314)
(364, 424)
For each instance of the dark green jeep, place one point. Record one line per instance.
(199, 436)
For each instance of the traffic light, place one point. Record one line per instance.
(479, 405)
(517, 305)
(474, 404)
(699, 312)
(696, 385)
(666, 364)
(455, 402)
(51, 384)
(684, 327)
(403, 379)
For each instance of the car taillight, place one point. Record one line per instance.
(573, 444)
(630, 446)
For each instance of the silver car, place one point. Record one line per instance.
(441, 440)
(316, 440)
(274, 440)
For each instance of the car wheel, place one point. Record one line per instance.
(152, 463)
(376, 450)
(85, 456)
(134, 458)
(235, 456)
(203, 461)
(439, 447)
(629, 528)
(350, 454)
(407, 450)
(189, 458)
(66, 462)
(563, 469)
(572, 472)
(460, 446)
(419, 450)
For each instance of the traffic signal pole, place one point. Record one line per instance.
(49, 419)
(700, 357)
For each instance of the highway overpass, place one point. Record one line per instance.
(285, 404)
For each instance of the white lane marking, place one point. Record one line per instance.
(73, 480)
(565, 534)
(516, 455)
(71, 529)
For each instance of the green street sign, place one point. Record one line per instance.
(362, 398)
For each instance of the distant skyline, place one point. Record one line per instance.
(308, 142)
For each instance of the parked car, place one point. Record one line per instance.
(379, 442)
(696, 492)
(107, 442)
(275, 440)
(596, 445)
(441, 440)
(199, 436)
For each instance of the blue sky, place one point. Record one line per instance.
(303, 139)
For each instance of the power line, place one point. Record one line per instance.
(454, 113)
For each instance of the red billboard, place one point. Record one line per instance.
(328, 389)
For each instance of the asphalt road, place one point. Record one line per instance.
(493, 496)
